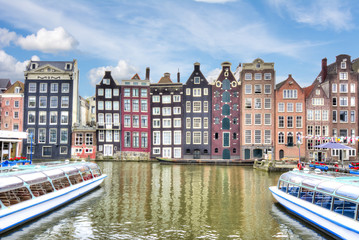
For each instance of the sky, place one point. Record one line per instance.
(126, 36)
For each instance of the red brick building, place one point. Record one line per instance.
(83, 143)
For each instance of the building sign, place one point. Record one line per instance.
(11, 134)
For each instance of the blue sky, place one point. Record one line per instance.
(128, 36)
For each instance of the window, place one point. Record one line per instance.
(343, 101)
(257, 76)
(196, 106)
(116, 92)
(248, 76)
(188, 122)
(226, 141)
(334, 101)
(257, 88)
(257, 119)
(299, 107)
(216, 120)
(290, 121)
(143, 92)
(343, 65)
(167, 135)
(65, 87)
(101, 135)
(352, 101)
(343, 88)
(248, 119)
(108, 136)
(197, 138)
(176, 98)
(248, 88)
(226, 97)
(100, 92)
(280, 107)
(290, 93)
(343, 76)
(42, 135)
(309, 114)
(281, 138)
(53, 118)
(127, 105)
(135, 92)
(267, 119)
(116, 105)
(166, 122)
(135, 105)
(32, 101)
(43, 87)
(127, 121)
(144, 140)
(65, 101)
(257, 103)
(197, 80)
(188, 137)
(166, 111)
(42, 118)
(116, 119)
(289, 107)
(176, 110)
(156, 111)
(267, 76)
(135, 121)
(334, 88)
(352, 87)
(267, 137)
(248, 103)
(325, 115)
(318, 101)
(78, 139)
(135, 139)
(42, 101)
(127, 92)
(46, 151)
(281, 121)
(177, 138)
(352, 116)
(197, 122)
(156, 123)
(235, 120)
(100, 105)
(15, 127)
(299, 123)
(248, 136)
(267, 89)
(188, 91)
(156, 151)
(205, 137)
(144, 121)
(205, 91)
(257, 136)
(53, 102)
(31, 117)
(108, 93)
(343, 116)
(166, 99)
(127, 139)
(116, 135)
(177, 122)
(334, 114)
(16, 104)
(317, 115)
(235, 107)
(310, 130)
(64, 118)
(32, 87)
(205, 106)
(325, 131)
(197, 92)
(89, 139)
(144, 105)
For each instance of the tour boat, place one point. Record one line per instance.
(27, 192)
(327, 200)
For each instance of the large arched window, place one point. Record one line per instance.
(226, 84)
(225, 110)
(226, 97)
(225, 123)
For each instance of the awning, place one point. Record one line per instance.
(9, 140)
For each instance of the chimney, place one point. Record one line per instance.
(324, 68)
(147, 73)
(107, 74)
(178, 76)
(167, 74)
(196, 66)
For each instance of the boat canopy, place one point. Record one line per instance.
(70, 171)
(9, 183)
(311, 182)
(348, 191)
(55, 173)
(33, 178)
(329, 186)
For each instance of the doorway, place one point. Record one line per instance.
(281, 154)
(226, 154)
(247, 153)
(196, 154)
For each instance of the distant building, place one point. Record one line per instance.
(84, 111)
(197, 116)
(136, 118)
(84, 143)
(225, 115)
(51, 107)
(257, 109)
(12, 109)
(4, 84)
(92, 111)
(290, 120)
(166, 105)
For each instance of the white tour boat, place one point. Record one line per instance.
(327, 200)
(27, 192)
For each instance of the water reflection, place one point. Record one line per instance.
(153, 201)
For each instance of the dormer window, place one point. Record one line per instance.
(68, 66)
(196, 80)
(343, 65)
(106, 81)
(17, 90)
(33, 65)
(258, 65)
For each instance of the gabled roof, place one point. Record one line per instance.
(165, 79)
(57, 64)
(279, 85)
(308, 90)
(290, 78)
(5, 83)
(136, 77)
(11, 89)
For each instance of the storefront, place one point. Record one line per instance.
(11, 144)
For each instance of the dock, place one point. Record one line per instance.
(273, 166)
(237, 162)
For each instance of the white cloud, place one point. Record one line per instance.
(11, 68)
(6, 37)
(215, 1)
(49, 41)
(324, 13)
(123, 70)
(35, 58)
(213, 75)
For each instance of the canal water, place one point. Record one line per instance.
(155, 201)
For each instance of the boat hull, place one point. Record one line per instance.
(28, 210)
(328, 221)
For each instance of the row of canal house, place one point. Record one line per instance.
(244, 116)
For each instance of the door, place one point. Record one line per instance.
(226, 154)
(320, 156)
(196, 154)
(257, 153)
(281, 154)
(166, 153)
(247, 154)
(108, 150)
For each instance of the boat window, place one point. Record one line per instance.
(15, 196)
(40, 189)
(287, 176)
(296, 179)
(82, 168)
(343, 207)
(348, 191)
(283, 186)
(33, 178)
(323, 200)
(70, 171)
(61, 183)
(86, 175)
(306, 194)
(10, 183)
(54, 173)
(293, 190)
(311, 182)
(92, 166)
(96, 172)
(329, 186)
(75, 179)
